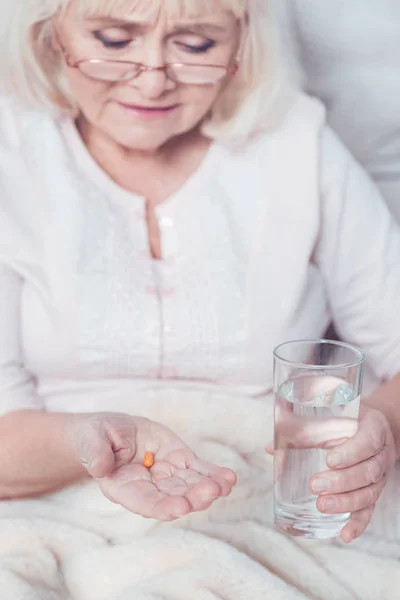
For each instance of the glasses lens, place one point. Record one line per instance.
(196, 74)
(108, 70)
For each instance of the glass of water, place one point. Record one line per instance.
(317, 388)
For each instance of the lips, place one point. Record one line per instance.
(147, 113)
(148, 108)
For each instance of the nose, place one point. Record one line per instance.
(152, 82)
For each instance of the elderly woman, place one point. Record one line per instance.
(170, 211)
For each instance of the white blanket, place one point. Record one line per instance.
(75, 545)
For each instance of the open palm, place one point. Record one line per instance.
(178, 483)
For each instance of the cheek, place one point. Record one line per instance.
(202, 99)
(88, 94)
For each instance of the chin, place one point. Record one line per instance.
(140, 140)
(141, 145)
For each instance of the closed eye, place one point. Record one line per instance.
(197, 49)
(112, 44)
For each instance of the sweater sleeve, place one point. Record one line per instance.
(359, 256)
(17, 386)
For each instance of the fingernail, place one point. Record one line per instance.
(350, 537)
(330, 504)
(334, 460)
(321, 485)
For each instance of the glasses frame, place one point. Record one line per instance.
(229, 70)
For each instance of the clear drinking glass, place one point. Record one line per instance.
(317, 388)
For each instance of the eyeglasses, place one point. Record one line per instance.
(120, 70)
(117, 70)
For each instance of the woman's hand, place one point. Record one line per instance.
(359, 462)
(112, 447)
(359, 468)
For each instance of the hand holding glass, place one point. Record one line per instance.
(317, 387)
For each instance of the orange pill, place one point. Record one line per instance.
(148, 459)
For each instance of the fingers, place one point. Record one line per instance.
(295, 431)
(164, 492)
(132, 487)
(199, 490)
(203, 493)
(360, 468)
(224, 477)
(369, 441)
(351, 501)
(152, 503)
(205, 481)
(346, 480)
(358, 523)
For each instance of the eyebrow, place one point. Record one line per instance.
(202, 28)
(111, 21)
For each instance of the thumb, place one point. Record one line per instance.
(96, 453)
(103, 443)
(101, 458)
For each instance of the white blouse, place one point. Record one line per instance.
(264, 243)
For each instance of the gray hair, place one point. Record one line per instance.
(259, 95)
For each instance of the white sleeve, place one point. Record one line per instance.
(17, 387)
(358, 254)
